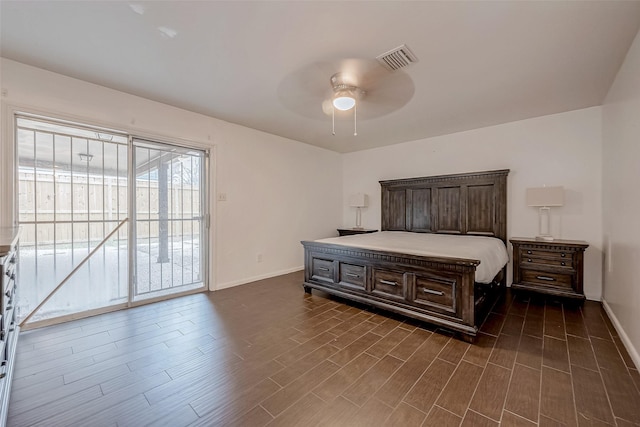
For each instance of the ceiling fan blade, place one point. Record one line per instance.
(308, 92)
(374, 74)
(304, 90)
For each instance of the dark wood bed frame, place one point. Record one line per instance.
(438, 290)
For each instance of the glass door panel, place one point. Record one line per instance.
(72, 192)
(169, 219)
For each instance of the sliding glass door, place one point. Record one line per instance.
(107, 219)
(169, 219)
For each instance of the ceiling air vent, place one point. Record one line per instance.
(397, 58)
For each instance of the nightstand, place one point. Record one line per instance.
(350, 231)
(550, 267)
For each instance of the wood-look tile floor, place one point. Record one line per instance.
(267, 354)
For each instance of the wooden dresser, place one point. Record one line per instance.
(549, 267)
(8, 328)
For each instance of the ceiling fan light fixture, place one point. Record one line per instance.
(344, 101)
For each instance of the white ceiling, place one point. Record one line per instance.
(266, 65)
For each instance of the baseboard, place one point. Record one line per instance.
(256, 278)
(633, 353)
(593, 297)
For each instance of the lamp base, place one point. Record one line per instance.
(358, 219)
(544, 225)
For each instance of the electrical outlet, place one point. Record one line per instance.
(259, 258)
(222, 197)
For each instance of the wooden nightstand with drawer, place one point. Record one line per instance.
(550, 267)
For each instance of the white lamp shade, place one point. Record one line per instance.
(359, 200)
(545, 196)
(344, 102)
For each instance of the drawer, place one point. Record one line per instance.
(546, 253)
(353, 276)
(9, 259)
(436, 293)
(553, 262)
(9, 284)
(9, 291)
(7, 320)
(322, 270)
(388, 283)
(544, 278)
(7, 304)
(10, 272)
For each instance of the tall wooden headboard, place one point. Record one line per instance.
(470, 203)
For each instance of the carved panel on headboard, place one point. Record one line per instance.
(420, 217)
(473, 203)
(396, 202)
(481, 196)
(449, 210)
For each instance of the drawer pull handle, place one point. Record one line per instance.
(8, 293)
(432, 292)
(563, 255)
(323, 269)
(563, 263)
(13, 260)
(529, 252)
(529, 260)
(387, 282)
(352, 275)
(547, 278)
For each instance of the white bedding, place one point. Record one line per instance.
(491, 252)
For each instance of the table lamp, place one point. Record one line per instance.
(358, 201)
(544, 198)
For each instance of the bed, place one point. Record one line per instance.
(411, 267)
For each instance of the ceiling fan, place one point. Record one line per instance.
(370, 87)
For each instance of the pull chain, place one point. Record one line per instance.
(355, 119)
(333, 120)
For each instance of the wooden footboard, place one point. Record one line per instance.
(437, 290)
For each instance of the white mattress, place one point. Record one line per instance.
(491, 252)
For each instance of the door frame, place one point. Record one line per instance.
(9, 193)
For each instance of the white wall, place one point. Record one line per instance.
(621, 200)
(279, 191)
(561, 149)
